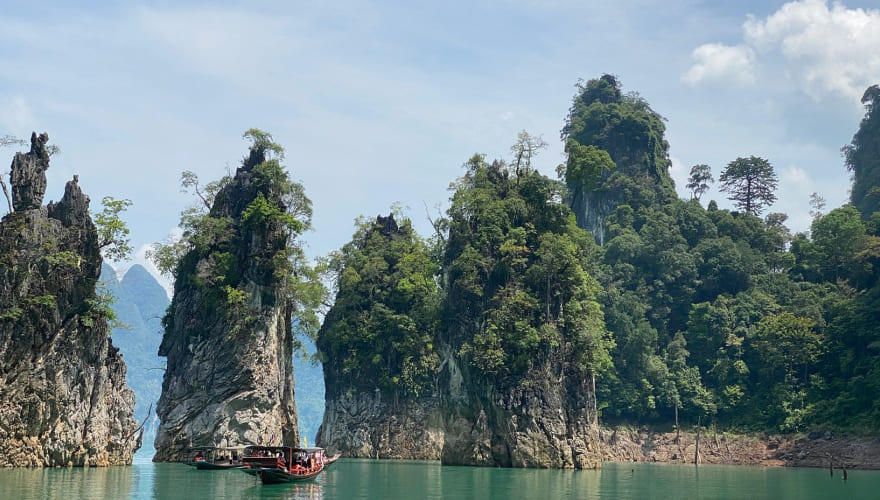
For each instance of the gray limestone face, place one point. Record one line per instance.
(28, 174)
(229, 374)
(546, 420)
(63, 397)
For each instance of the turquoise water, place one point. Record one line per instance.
(385, 479)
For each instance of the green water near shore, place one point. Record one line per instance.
(385, 479)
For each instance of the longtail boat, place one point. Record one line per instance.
(217, 458)
(283, 464)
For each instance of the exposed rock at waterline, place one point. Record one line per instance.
(368, 426)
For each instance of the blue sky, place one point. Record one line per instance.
(378, 103)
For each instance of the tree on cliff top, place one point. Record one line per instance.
(113, 232)
(751, 183)
(699, 179)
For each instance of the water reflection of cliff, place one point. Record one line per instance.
(99, 483)
(483, 482)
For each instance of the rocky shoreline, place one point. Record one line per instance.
(816, 449)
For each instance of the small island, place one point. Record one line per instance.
(63, 396)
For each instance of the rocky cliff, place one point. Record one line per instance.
(543, 421)
(63, 398)
(815, 449)
(228, 339)
(363, 425)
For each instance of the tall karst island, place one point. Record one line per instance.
(229, 330)
(63, 398)
(477, 348)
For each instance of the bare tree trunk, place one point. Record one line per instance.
(677, 430)
(595, 403)
(697, 445)
(6, 194)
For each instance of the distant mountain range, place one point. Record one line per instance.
(140, 304)
(309, 379)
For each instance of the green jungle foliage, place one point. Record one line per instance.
(724, 316)
(684, 313)
(615, 147)
(518, 289)
(380, 330)
(515, 293)
(863, 157)
(266, 216)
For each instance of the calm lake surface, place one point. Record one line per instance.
(384, 479)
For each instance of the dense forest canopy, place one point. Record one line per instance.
(380, 331)
(680, 311)
(516, 266)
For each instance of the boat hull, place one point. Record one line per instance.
(277, 476)
(211, 466)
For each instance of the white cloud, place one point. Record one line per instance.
(16, 117)
(716, 62)
(795, 175)
(826, 50)
(822, 50)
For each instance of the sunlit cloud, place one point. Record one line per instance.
(719, 63)
(821, 49)
(827, 50)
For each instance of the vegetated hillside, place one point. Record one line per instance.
(863, 157)
(715, 315)
(140, 303)
(377, 346)
(721, 315)
(489, 362)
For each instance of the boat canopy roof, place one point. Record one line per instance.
(221, 448)
(280, 448)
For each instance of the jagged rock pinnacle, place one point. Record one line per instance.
(28, 174)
